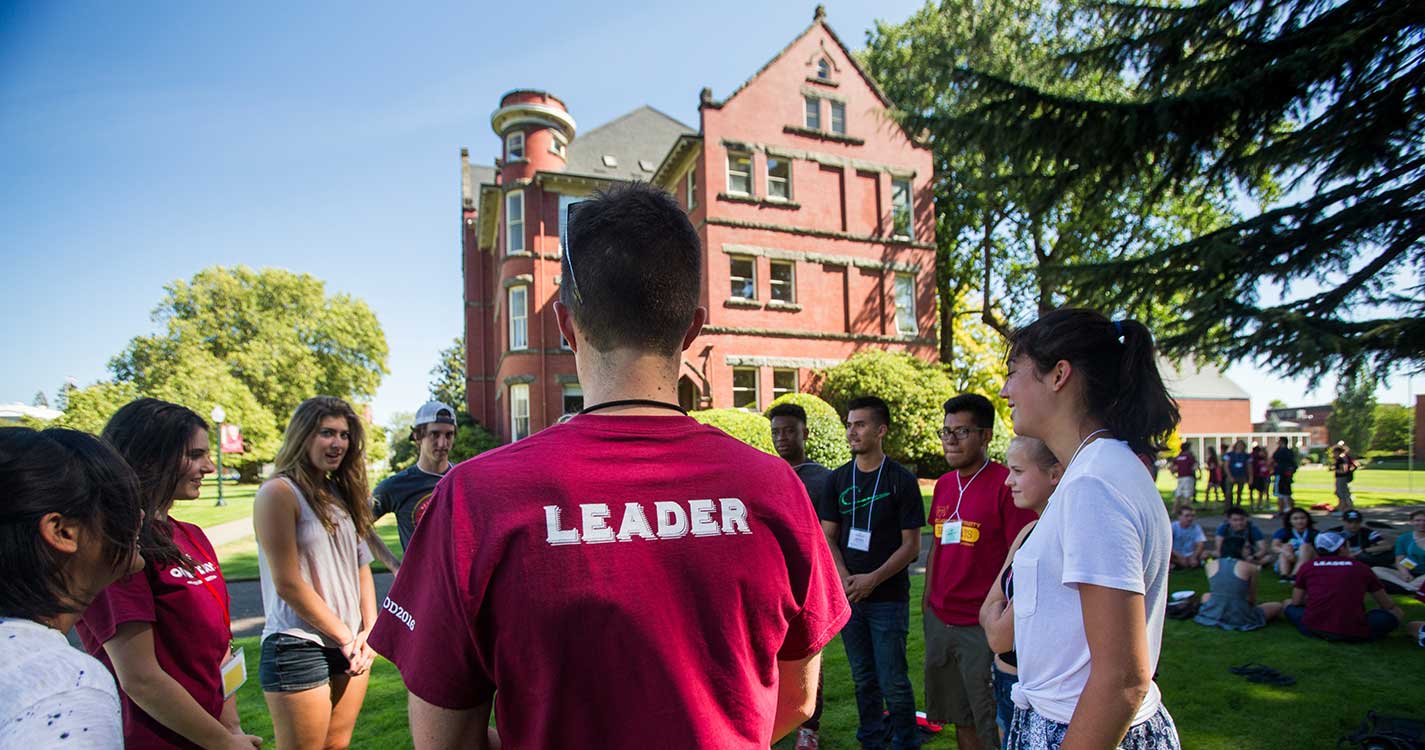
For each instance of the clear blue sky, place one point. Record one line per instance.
(143, 142)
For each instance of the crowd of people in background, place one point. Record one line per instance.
(585, 575)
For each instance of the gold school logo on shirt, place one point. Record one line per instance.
(969, 533)
(671, 521)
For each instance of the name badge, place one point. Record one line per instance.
(950, 532)
(1407, 563)
(234, 673)
(860, 540)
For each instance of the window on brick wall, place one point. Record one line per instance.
(514, 147)
(783, 382)
(813, 112)
(514, 221)
(739, 173)
(838, 118)
(744, 388)
(573, 399)
(905, 304)
(519, 412)
(743, 272)
(519, 317)
(783, 281)
(823, 69)
(779, 179)
(901, 208)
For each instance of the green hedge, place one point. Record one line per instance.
(749, 427)
(826, 433)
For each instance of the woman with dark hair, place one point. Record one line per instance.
(165, 632)
(1261, 474)
(312, 520)
(1214, 475)
(69, 526)
(1091, 582)
(1231, 602)
(1293, 543)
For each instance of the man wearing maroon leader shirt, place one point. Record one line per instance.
(974, 521)
(629, 579)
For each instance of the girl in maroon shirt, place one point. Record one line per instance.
(165, 632)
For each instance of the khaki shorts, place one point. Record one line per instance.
(958, 686)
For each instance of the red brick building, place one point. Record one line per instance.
(814, 208)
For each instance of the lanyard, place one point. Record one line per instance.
(227, 617)
(872, 509)
(965, 486)
(1081, 447)
(1301, 537)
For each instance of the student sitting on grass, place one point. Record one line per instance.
(1188, 540)
(1366, 545)
(1239, 525)
(1232, 602)
(1409, 570)
(1326, 602)
(1293, 542)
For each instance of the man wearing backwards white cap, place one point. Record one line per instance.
(1326, 601)
(407, 493)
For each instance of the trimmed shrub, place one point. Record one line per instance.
(749, 427)
(826, 434)
(915, 391)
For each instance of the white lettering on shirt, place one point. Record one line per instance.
(1331, 564)
(702, 518)
(400, 613)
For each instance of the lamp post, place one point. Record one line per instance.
(218, 416)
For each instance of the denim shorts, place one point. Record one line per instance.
(290, 664)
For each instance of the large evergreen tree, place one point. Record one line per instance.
(1320, 96)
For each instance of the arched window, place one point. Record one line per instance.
(823, 69)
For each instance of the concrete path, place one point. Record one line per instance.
(231, 531)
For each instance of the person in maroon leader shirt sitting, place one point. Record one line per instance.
(630, 578)
(165, 631)
(1326, 600)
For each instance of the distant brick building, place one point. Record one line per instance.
(1308, 419)
(1208, 401)
(814, 208)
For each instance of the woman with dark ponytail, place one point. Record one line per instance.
(1091, 583)
(165, 632)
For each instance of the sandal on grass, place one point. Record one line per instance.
(1249, 669)
(1263, 674)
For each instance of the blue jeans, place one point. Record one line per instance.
(875, 647)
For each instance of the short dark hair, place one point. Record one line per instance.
(77, 476)
(788, 410)
(1233, 546)
(875, 404)
(153, 436)
(979, 407)
(1118, 361)
(632, 269)
(1236, 510)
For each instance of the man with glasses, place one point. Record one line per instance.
(975, 521)
(594, 593)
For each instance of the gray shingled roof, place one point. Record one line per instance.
(1190, 380)
(643, 135)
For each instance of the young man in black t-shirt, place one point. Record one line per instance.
(1363, 544)
(407, 492)
(872, 513)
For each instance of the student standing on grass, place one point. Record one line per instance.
(312, 521)
(69, 526)
(1326, 599)
(165, 632)
(789, 439)
(628, 579)
(1261, 475)
(1283, 468)
(872, 513)
(975, 520)
(407, 493)
(1214, 476)
(1293, 542)
(1033, 474)
(1344, 467)
(1090, 584)
(1409, 570)
(1185, 466)
(1238, 475)
(1231, 601)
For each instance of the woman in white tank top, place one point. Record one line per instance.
(1090, 584)
(311, 520)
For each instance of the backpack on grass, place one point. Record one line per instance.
(1386, 733)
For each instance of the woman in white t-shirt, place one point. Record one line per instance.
(1091, 582)
(69, 526)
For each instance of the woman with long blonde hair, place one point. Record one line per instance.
(311, 520)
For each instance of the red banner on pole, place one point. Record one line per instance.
(230, 439)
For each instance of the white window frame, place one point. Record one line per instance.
(756, 388)
(558, 146)
(519, 411)
(786, 182)
(796, 382)
(823, 69)
(906, 324)
(899, 209)
(690, 183)
(514, 142)
(514, 221)
(790, 284)
(519, 316)
(731, 259)
(811, 112)
(731, 157)
(564, 202)
(838, 109)
(572, 389)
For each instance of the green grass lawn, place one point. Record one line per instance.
(1371, 488)
(202, 511)
(1214, 710)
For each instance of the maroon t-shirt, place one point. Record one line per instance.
(622, 582)
(964, 572)
(1185, 465)
(1335, 592)
(190, 631)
